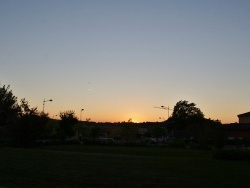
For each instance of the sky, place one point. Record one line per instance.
(119, 59)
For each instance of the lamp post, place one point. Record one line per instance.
(81, 114)
(44, 101)
(165, 108)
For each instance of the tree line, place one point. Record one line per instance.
(22, 125)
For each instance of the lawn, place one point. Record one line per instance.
(108, 166)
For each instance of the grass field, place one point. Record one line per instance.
(106, 166)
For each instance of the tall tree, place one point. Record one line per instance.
(9, 107)
(184, 111)
(190, 119)
(30, 125)
(23, 124)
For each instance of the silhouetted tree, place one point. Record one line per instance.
(184, 114)
(9, 107)
(9, 110)
(30, 126)
(25, 108)
(190, 119)
(68, 121)
(186, 111)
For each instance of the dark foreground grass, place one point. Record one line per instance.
(102, 166)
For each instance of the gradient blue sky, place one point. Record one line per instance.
(118, 59)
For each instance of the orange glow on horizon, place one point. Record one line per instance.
(137, 114)
(133, 118)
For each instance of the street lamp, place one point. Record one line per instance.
(81, 114)
(165, 108)
(44, 101)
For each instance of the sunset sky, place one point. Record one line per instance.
(118, 59)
